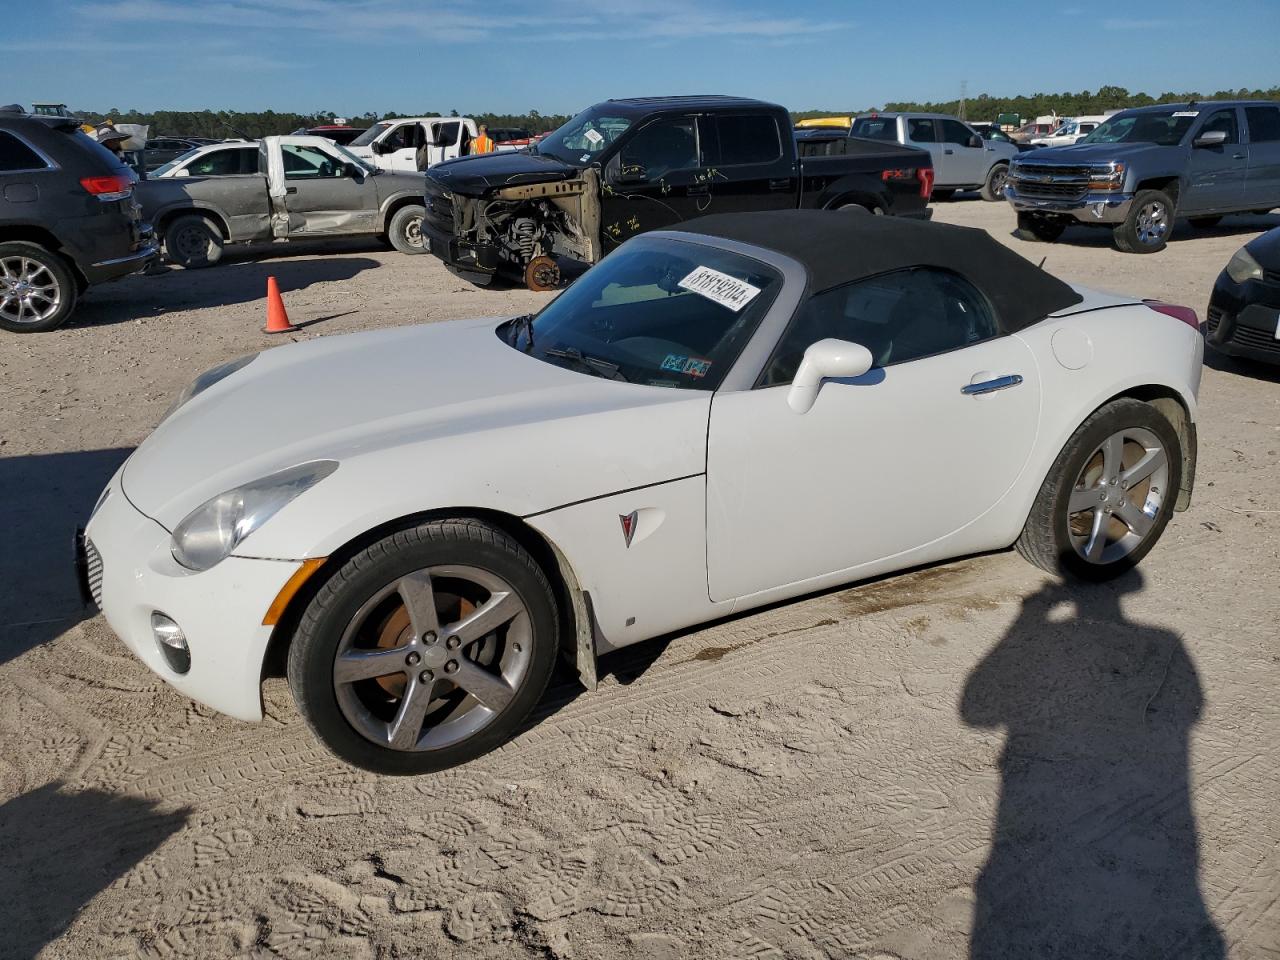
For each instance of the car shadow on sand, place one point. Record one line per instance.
(1094, 851)
(61, 849)
(241, 280)
(43, 498)
(1241, 366)
(1243, 225)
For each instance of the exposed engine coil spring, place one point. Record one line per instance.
(524, 232)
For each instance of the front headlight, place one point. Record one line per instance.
(206, 380)
(1242, 267)
(215, 528)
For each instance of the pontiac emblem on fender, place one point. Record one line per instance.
(628, 526)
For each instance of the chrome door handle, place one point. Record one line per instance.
(1238, 156)
(948, 152)
(991, 386)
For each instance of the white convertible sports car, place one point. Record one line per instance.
(750, 408)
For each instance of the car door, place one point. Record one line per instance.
(322, 193)
(397, 150)
(966, 164)
(882, 464)
(1216, 174)
(445, 136)
(1262, 187)
(656, 179)
(748, 169)
(924, 132)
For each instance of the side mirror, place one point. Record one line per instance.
(975, 141)
(1211, 138)
(825, 360)
(353, 171)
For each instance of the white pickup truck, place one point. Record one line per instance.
(393, 144)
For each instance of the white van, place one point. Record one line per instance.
(393, 144)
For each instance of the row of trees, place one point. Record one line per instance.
(264, 123)
(986, 107)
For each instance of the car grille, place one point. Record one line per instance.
(1212, 319)
(93, 569)
(1258, 339)
(1051, 182)
(1050, 191)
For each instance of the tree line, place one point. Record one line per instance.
(218, 124)
(986, 107)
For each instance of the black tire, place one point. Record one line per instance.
(53, 278)
(1132, 236)
(1037, 228)
(993, 189)
(446, 542)
(943, 195)
(1046, 538)
(193, 242)
(405, 229)
(1204, 222)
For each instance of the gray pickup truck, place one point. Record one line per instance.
(1142, 168)
(311, 187)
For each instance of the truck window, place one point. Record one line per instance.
(403, 137)
(748, 139)
(447, 133)
(308, 163)
(875, 128)
(953, 131)
(225, 163)
(1224, 120)
(922, 130)
(663, 146)
(16, 155)
(1264, 124)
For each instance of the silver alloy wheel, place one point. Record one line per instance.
(998, 181)
(413, 232)
(29, 292)
(1153, 222)
(433, 658)
(1117, 497)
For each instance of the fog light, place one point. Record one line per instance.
(172, 642)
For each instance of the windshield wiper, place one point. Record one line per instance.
(608, 367)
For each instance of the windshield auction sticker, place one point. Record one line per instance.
(720, 288)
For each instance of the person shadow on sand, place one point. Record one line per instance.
(1094, 851)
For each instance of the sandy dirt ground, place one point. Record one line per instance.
(969, 760)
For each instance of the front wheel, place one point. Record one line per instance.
(405, 229)
(1108, 496)
(192, 241)
(425, 650)
(993, 188)
(1147, 227)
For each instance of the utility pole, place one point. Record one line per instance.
(964, 89)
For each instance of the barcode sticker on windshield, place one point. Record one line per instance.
(1187, 113)
(720, 288)
(594, 136)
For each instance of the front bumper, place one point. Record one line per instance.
(1244, 318)
(477, 262)
(126, 565)
(1111, 208)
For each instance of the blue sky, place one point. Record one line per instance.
(556, 56)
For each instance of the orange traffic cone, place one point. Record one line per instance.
(277, 318)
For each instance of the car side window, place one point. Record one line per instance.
(749, 138)
(922, 130)
(955, 132)
(661, 147)
(401, 137)
(16, 155)
(308, 163)
(225, 163)
(447, 133)
(899, 317)
(1224, 120)
(1264, 124)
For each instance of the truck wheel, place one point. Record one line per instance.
(542, 275)
(405, 230)
(1033, 227)
(37, 289)
(1147, 227)
(993, 189)
(1204, 222)
(193, 242)
(943, 195)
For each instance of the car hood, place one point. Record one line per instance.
(448, 406)
(1266, 249)
(474, 176)
(1093, 152)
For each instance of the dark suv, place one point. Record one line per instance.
(68, 219)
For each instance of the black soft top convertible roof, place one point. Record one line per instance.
(839, 247)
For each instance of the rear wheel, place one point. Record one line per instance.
(1032, 226)
(1147, 227)
(425, 650)
(37, 289)
(193, 241)
(993, 189)
(1109, 495)
(405, 229)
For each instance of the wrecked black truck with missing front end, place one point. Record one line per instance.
(624, 167)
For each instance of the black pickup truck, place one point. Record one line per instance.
(626, 166)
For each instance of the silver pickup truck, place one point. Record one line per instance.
(1142, 168)
(302, 187)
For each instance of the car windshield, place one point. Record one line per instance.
(1166, 128)
(175, 162)
(875, 128)
(371, 134)
(584, 137)
(664, 313)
